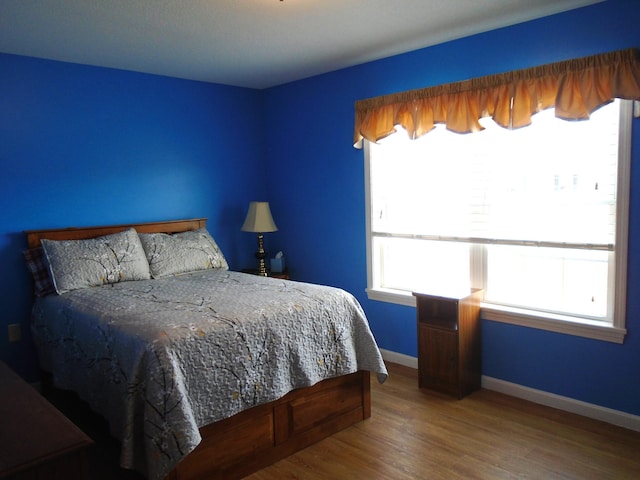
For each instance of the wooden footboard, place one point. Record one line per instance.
(253, 439)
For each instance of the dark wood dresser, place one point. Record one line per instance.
(37, 442)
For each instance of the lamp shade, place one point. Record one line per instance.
(259, 218)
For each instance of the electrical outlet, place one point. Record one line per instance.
(15, 333)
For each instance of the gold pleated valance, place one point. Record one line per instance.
(574, 87)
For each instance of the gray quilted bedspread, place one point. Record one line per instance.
(161, 358)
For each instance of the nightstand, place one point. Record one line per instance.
(282, 275)
(449, 342)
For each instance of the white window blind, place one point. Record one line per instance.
(529, 215)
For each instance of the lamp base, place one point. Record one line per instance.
(261, 255)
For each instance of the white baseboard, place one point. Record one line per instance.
(567, 404)
(590, 410)
(399, 358)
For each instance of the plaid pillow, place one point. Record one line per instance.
(37, 264)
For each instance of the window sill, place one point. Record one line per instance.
(553, 323)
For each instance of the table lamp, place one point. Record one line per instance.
(259, 220)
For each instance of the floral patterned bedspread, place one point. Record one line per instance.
(161, 358)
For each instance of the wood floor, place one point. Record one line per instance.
(414, 434)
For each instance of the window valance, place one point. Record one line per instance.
(574, 87)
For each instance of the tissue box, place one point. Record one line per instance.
(277, 265)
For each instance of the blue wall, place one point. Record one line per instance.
(319, 180)
(82, 145)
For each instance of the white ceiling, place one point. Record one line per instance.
(249, 43)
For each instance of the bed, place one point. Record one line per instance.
(202, 372)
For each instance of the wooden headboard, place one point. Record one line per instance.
(79, 233)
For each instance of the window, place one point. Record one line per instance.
(537, 217)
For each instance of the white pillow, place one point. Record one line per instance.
(75, 264)
(181, 252)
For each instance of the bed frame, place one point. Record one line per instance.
(242, 444)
